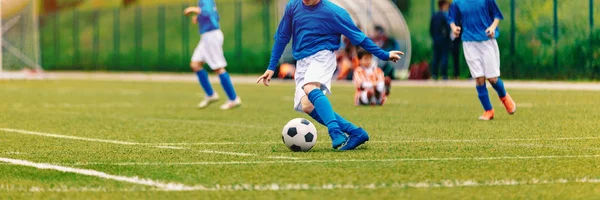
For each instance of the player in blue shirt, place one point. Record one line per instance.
(210, 51)
(479, 20)
(316, 27)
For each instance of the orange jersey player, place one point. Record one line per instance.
(371, 85)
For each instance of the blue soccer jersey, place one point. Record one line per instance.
(475, 16)
(316, 28)
(208, 19)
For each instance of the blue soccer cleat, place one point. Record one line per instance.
(357, 137)
(338, 138)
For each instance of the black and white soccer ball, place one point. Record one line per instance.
(299, 135)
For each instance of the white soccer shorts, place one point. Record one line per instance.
(316, 68)
(483, 58)
(210, 50)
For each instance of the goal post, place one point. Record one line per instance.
(19, 39)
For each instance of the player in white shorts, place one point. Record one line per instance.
(210, 51)
(317, 26)
(479, 21)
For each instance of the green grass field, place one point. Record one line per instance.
(145, 140)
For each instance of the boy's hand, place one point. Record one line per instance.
(266, 77)
(491, 32)
(192, 9)
(455, 30)
(195, 19)
(395, 55)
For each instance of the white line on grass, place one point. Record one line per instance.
(339, 161)
(391, 142)
(12, 153)
(94, 173)
(134, 143)
(327, 186)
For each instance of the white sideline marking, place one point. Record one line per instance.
(134, 143)
(328, 186)
(338, 161)
(66, 136)
(551, 146)
(94, 173)
(12, 153)
(390, 142)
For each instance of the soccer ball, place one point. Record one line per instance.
(299, 135)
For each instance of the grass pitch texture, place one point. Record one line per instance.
(123, 140)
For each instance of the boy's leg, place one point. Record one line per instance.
(484, 98)
(216, 60)
(476, 67)
(435, 63)
(381, 88)
(234, 100)
(202, 75)
(492, 59)
(309, 109)
(324, 109)
(445, 53)
(456, 57)
(358, 135)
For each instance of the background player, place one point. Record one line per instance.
(371, 85)
(316, 27)
(480, 19)
(210, 50)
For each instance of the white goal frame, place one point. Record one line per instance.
(6, 47)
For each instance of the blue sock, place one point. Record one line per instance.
(227, 86)
(324, 109)
(484, 98)
(499, 87)
(316, 117)
(345, 125)
(204, 82)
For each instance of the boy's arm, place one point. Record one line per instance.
(282, 38)
(497, 14)
(453, 15)
(192, 9)
(346, 27)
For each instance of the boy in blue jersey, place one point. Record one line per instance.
(210, 51)
(316, 27)
(479, 20)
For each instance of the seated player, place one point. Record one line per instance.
(371, 85)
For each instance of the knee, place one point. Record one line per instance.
(307, 107)
(493, 81)
(309, 87)
(220, 71)
(196, 66)
(480, 81)
(365, 97)
(380, 86)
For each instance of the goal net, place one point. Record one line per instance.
(19, 39)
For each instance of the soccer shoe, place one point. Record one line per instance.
(487, 115)
(511, 106)
(338, 138)
(208, 100)
(357, 137)
(232, 104)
